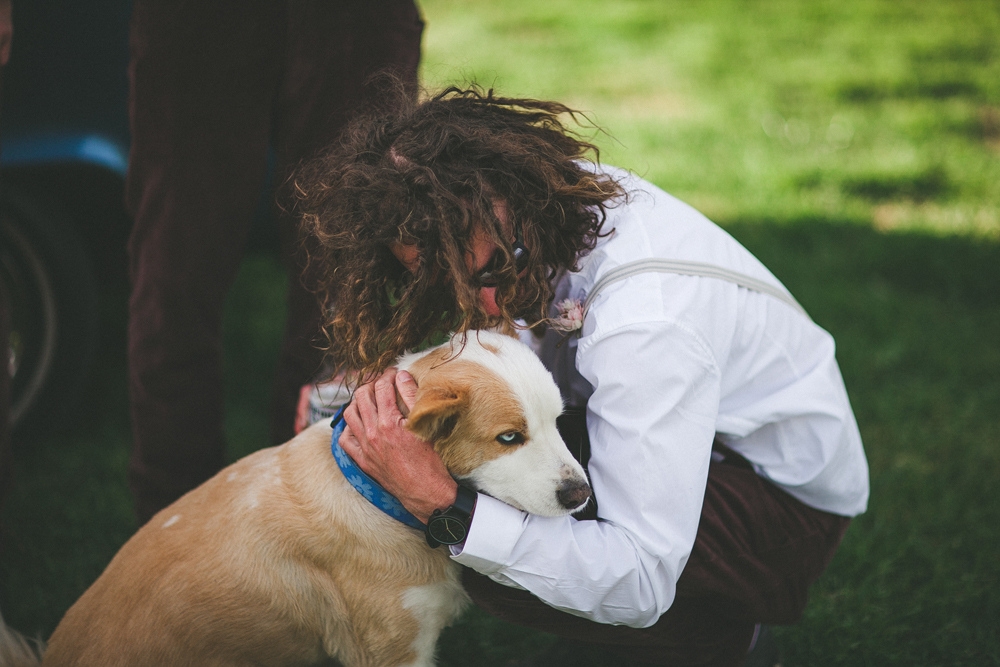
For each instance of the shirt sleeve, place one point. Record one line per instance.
(651, 421)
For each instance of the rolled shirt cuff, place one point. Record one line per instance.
(496, 528)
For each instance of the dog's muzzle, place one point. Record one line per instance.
(573, 493)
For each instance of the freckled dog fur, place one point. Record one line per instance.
(277, 560)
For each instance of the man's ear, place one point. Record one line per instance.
(436, 411)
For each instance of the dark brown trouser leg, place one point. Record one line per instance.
(756, 553)
(214, 84)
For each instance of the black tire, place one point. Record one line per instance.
(52, 297)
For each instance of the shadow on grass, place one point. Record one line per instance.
(917, 322)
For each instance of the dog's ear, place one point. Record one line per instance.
(436, 411)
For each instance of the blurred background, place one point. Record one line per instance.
(853, 146)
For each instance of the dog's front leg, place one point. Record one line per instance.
(401, 629)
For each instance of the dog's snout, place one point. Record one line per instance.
(573, 493)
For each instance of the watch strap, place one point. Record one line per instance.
(465, 501)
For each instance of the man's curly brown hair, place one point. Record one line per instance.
(427, 174)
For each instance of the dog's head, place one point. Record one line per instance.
(490, 408)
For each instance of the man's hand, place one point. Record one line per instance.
(376, 437)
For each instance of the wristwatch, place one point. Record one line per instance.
(450, 526)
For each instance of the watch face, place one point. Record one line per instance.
(447, 529)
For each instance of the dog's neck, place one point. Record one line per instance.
(365, 485)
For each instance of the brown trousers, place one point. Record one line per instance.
(215, 86)
(756, 553)
(6, 455)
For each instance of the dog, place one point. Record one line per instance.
(279, 560)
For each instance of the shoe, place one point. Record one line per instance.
(763, 651)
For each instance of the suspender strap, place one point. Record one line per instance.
(687, 268)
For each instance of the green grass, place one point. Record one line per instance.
(870, 109)
(853, 146)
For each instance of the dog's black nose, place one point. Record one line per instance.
(572, 493)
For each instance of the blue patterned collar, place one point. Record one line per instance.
(364, 484)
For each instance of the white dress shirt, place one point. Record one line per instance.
(664, 362)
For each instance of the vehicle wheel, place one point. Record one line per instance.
(52, 300)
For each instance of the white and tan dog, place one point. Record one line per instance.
(278, 560)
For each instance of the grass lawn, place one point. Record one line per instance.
(853, 146)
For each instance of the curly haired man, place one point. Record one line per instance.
(725, 458)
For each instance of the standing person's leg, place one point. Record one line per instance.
(757, 552)
(6, 31)
(334, 48)
(6, 457)
(203, 75)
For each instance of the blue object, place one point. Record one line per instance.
(65, 89)
(55, 148)
(365, 485)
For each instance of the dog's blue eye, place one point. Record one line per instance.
(510, 438)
